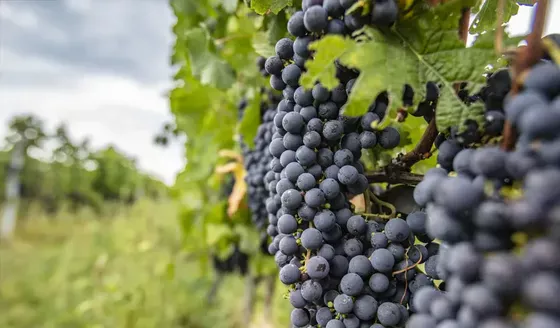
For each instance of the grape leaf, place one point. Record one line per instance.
(262, 46)
(206, 65)
(216, 232)
(487, 17)
(422, 48)
(263, 7)
(321, 68)
(250, 121)
(277, 27)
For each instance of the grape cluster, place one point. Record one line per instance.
(344, 270)
(237, 261)
(256, 162)
(498, 216)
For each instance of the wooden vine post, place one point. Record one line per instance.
(526, 57)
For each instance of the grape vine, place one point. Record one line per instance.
(391, 172)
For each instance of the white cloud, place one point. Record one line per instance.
(23, 18)
(106, 109)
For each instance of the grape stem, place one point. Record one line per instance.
(308, 254)
(377, 215)
(424, 146)
(367, 200)
(526, 57)
(378, 201)
(409, 267)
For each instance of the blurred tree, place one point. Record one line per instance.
(25, 132)
(67, 172)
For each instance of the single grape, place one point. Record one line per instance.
(351, 284)
(299, 317)
(312, 139)
(389, 138)
(320, 93)
(343, 303)
(295, 24)
(382, 260)
(291, 74)
(317, 267)
(289, 274)
(315, 19)
(388, 314)
(284, 49)
(347, 175)
(311, 239)
(330, 188)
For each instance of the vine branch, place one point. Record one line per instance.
(394, 177)
(498, 42)
(526, 57)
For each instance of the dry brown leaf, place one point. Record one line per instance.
(226, 168)
(359, 202)
(240, 187)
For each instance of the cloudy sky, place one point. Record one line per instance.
(101, 66)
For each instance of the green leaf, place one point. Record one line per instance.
(263, 7)
(321, 68)
(262, 46)
(205, 65)
(217, 232)
(488, 40)
(277, 27)
(229, 5)
(487, 17)
(420, 49)
(251, 121)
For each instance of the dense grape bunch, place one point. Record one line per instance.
(499, 217)
(343, 269)
(256, 162)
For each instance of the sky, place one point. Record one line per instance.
(102, 67)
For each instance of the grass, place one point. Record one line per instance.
(127, 270)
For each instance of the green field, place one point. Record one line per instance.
(124, 270)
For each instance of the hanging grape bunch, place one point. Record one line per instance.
(498, 217)
(256, 161)
(343, 269)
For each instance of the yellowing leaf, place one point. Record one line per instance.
(230, 154)
(226, 168)
(240, 186)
